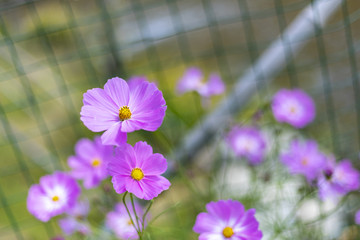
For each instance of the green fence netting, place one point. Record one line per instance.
(51, 52)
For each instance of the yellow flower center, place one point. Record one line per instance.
(304, 161)
(137, 174)
(293, 109)
(228, 232)
(124, 113)
(55, 198)
(96, 162)
(129, 222)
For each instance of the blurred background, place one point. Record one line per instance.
(51, 52)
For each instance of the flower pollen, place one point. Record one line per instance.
(228, 232)
(55, 198)
(137, 174)
(124, 113)
(304, 161)
(96, 162)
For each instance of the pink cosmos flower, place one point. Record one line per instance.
(304, 158)
(89, 163)
(119, 221)
(120, 108)
(137, 170)
(247, 142)
(337, 179)
(193, 81)
(227, 219)
(294, 107)
(54, 195)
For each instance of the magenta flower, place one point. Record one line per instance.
(294, 107)
(247, 142)
(193, 81)
(119, 221)
(227, 219)
(54, 195)
(137, 170)
(337, 179)
(357, 217)
(89, 163)
(120, 108)
(304, 158)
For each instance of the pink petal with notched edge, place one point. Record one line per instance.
(118, 90)
(143, 151)
(154, 165)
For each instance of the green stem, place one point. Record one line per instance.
(127, 209)
(144, 216)
(136, 216)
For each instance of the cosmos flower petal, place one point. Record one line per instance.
(206, 223)
(154, 165)
(118, 90)
(113, 136)
(98, 98)
(97, 119)
(211, 236)
(143, 151)
(214, 86)
(153, 185)
(119, 184)
(134, 186)
(190, 80)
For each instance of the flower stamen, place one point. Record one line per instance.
(137, 174)
(55, 198)
(124, 113)
(228, 232)
(96, 162)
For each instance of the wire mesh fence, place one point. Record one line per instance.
(53, 51)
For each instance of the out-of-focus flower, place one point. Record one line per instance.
(120, 108)
(137, 170)
(80, 209)
(193, 81)
(247, 142)
(75, 221)
(357, 217)
(337, 179)
(70, 225)
(227, 219)
(294, 107)
(54, 195)
(304, 158)
(89, 163)
(119, 221)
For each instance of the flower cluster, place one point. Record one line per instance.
(117, 109)
(332, 179)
